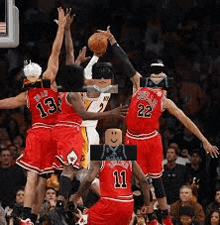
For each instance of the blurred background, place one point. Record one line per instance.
(184, 34)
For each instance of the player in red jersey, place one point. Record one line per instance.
(116, 205)
(67, 131)
(67, 134)
(39, 153)
(145, 109)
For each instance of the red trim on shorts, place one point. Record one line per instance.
(141, 136)
(31, 168)
(155, 175)
(119, 200)
(42, 125)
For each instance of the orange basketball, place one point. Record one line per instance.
(98, 43)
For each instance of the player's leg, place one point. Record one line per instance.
(39, 199)
(29, 193)
(155, 171)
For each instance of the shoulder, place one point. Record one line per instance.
(114, 89)
(176, 204)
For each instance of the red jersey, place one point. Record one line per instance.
(144, 111)
(43, 105)
(115, 180)
(67, 114)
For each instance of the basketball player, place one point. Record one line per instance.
(102, 74)
(116, 205)
(40, 149)
(67, 132)
(145, 109)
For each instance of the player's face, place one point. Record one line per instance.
(102, 83)
(32, 78)
(113, 137)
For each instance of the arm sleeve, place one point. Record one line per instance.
(88, 69)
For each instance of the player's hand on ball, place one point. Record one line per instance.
(120, 111)
(107, 32)
(210, 149)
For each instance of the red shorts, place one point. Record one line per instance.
(39, 154)
(149, 154)
(69, 145)
(110, 212)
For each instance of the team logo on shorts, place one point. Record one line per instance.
(72, 157)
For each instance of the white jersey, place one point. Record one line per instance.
(94, 105)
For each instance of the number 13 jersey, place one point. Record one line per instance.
(43, 105)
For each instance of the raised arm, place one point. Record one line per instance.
(179, 114)
(68, 40)
(75, 100)
(53, 62)
(14, 102)
(123, 57)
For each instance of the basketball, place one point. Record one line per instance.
(98, 43)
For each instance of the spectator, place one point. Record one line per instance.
(11, 177)
(50, 203)
(213, 206)
(199, 176)
(189, 141)
(182, 160)
(174, 176)
(196, 212)
(215, 218)
(15, 211)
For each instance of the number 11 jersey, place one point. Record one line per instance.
(115, 180)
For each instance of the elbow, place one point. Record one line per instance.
(84, 116)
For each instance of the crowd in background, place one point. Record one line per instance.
(185, 35)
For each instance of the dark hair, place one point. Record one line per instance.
(48, 188)
(175, 149)
(102, 69)
(186, 210)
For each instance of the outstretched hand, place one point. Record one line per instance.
(69, 18)
(82, 56)
(210, 149)
(62, 18)
(120, 111)
(76, 199)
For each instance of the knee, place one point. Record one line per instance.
(159, 188)
(69, 171)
